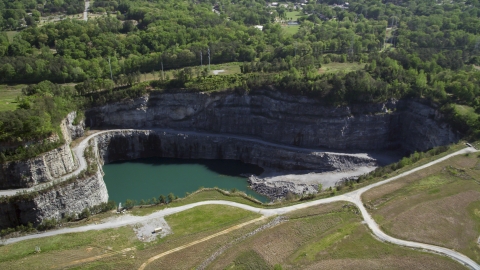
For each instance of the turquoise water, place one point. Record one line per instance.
(149, 177)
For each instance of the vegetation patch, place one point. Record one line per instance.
(206, 217)
(436, 205)
(326, 237)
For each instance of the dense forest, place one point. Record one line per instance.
(422, 49)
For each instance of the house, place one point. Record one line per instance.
(259, 27)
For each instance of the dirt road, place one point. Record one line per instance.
(353, 197)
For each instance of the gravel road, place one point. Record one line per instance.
(353, 197)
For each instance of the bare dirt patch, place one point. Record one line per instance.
(328, 237)
(390, 262)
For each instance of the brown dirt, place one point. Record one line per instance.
(390, 262)
(381, 191)
(443, 222)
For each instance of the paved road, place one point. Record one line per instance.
(353, 197)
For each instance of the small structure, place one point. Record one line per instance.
(157, 230)
(259, 27)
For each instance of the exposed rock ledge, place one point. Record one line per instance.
(133, 144)
(282, 118)
(69, 198)
(45, 167)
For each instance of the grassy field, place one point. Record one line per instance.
(8, 94)
(10, 35)
(60, 251)
(324, 237)
(293, 15)
(337, 67)
(195, 197)
(439, 205)
(290, 29)
(229, 68)
(206, 218)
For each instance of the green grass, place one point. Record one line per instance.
(10, 35)
(199, 196)
(249, 260)
(291, 29)
(117, 239)
(8, 95)
(337, 67)
(309, 251)
(187, 226)
(465, 110)
(293, 15)
(206, 217)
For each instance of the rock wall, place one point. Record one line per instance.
(70, 197)
(56, 203)
(283, 118)
(45, 167)
(133, 144)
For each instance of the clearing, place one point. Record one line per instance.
(439, 205)
(324, 237)
(8, 95)
(120, 248)
(337, 67)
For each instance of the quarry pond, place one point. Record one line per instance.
(149, 177)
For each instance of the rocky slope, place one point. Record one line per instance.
(282, 118)
(133, 144)
(69, 199)
(47, 166)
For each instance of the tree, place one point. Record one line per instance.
(162, 199)
(171, 197)
(129, 204)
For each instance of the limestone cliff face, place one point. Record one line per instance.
(44, 168)
(125, 145)
(56, 203)
(47, 166)
(283, 118)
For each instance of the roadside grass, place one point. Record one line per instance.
(206, 217)
(439, 205)
(325, 237)
(199, 196)
(56, 250)
(337, 67)
(8, 95)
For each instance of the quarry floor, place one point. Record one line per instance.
(353, 197)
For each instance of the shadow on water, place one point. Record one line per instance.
(220, 166)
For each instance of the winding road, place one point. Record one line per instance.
(353, 197)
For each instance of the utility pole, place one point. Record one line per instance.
(163, 76)
(201, 58)
(208, 58)
(111, 75)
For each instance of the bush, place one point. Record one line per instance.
(85, 213)
(129, 204)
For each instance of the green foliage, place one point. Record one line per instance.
(170, 198)
(129, 204)
(85, 213)
(162, 199)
